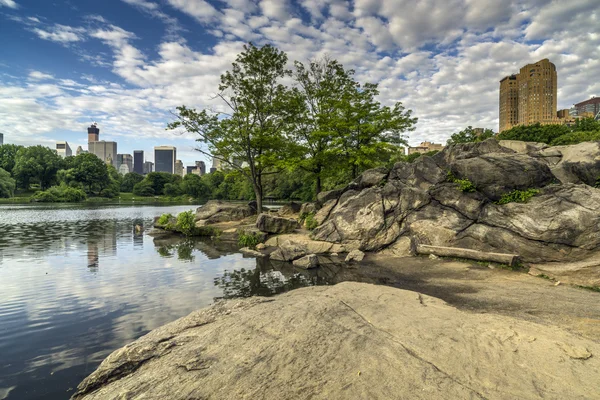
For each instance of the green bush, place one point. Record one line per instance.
(7, 184)
(310, 222)
(186, 222)
(44, 197)
(248, 239)
(143, 188)
(576, 137)
(60, 194)
(518, 196)
(464, 185)
(164, 219)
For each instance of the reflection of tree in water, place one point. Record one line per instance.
(183, 249)
(267, 279)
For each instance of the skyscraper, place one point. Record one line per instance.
(148, 167)
(93, 133)
(164, 159)
(216, 165)
(126, 159)
(179, 168)
(535, 97)
(138, 161)
(106, 151)
(588, 108)
(63, 149)
(1, 139)
(201, 166)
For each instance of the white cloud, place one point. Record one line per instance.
(60, 33)
(37, 75)
(8, 3)
(201, 10)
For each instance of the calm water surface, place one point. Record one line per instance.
(78, 282)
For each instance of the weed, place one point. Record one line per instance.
(464, 185)
(248, 239)
(186, 223)
(544, 276)
(310, 222)
(164, 219)
(592, 288)
(518, 196)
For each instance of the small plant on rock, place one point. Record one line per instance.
(310, 222)
(186, 223)
(248, 239)
(464, 185)
(164, 219)
(518, 196)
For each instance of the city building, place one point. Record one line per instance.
(148, 167)
(588, 108)
(190, 169)
(106, 151)
(124, 169)
(179, 168)
(216, 165)
(201, 166)
(80, 150)
(63, 149)
(138, 161)
(165, 158)
(529, 97)
(126, 159)
(425, 147)
(1, 139)
(93, 133)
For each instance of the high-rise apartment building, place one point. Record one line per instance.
(126, 159)
(588, 108)
(93, 133)
(63, 149)
(179, 168)
(165, 158)
(138, 161)
(106, 151)
(201, 166)
(529, 97)
(148, 167)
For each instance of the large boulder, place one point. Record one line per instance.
(578, 163)
(216, 211)
(290, 209)
(274, 224)
(348, 341)
(304, 244)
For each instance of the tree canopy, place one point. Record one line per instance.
(469, 135)
(36, 164)
(7, 184)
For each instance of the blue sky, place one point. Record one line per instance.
(127, 63)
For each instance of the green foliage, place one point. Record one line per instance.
(465, 185)
(129, 181)
(186, 223)
(591, 288)
(576, 137)
(158, 180)
(143, 188)
(7, 184)
(248, 239)
(193, 185)
(8, 154)
(36, 164)
(518, 196)
(164, 219)
(310, 222)
(60, 194)
(90, 171)
(172, 190)
(586, 129)
(469, 135)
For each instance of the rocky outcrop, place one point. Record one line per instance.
(348, 341)
(307, 262)
(216, 211)
(294, 246)
(290, 209)
(422, 203)
(274, 224)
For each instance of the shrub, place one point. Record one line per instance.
(464, 185)
(143, 188)
(164, 219)
(62, 193)
(44, 197)
(7, 184)
(172, 190)
(310, 222)
(518, 196)
(576, 137)
(186, 223)
(248, 239)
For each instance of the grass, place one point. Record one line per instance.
(592, 288)
(518, 196)
(248, 239)
(24, 197)
(544, 276)
(464, 185)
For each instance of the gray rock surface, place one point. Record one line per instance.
(274, 224)
(416, 203)
(307, 262)
(355, 256)
(290, 209)
(216, 211)
(348, 341)
(308, 208)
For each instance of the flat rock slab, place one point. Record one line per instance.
(348, 341)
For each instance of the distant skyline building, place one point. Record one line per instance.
(179, 168)
(529, 97)
(63, 149)
(588, 108)
(124, 169)
(201, 166)
(1, 139)
(190, 169)
(148, 167)
(425, 147)
(93, 133)
(106, 151)
(126, 159)
(165, 158)
(216, 165)
(138, 161)
(80, 150)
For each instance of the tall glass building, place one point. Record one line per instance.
(138, 161)
(164, 159)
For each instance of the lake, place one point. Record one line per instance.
(77, 282)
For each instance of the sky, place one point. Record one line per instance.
(127, 64)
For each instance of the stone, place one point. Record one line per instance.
(348, 341)
(274, 224)
(519, 146)
(578, 163)
(324, 197)
(261, 246)
(215, 211)
(290, 209)
(305, 243)
(307, 262)
(324, 211)
(371, 177)
(288, 251)
(433, 257)
(355, 256)
(308, 208)
(251, 252)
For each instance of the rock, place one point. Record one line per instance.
(371, 177)
(308, 208)
(292, 246)
(216, 211)
(334, 254)
(578, 163)
(523, 147)
(324, 197)
(274, 224)
(288, 251)
(139, 229)
(348, 341)
(355, 256)
(307, 262)
(290, 209)
(324, 212)
(261, 246)
(433, 257)
(250, 252)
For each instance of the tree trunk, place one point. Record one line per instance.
(259, 199)
(318, 186)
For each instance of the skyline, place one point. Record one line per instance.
(126, 63)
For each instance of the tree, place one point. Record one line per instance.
(37, 163)
(158, 180)
(469, 135)
(194, 186)
(534, 133)
(7, 184)
(260, 112)
(129, 181)
(8, 153)
(91, 171)
(143, 188)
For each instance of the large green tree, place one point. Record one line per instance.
(469, 135)
(7, 184)
(8, 154)
(36, 164)
(91, 172)
(130, 180)
(260, 109)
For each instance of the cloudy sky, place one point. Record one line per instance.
(127, 63)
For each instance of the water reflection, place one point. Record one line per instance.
(78, 282)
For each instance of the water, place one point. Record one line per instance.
(78, 282)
